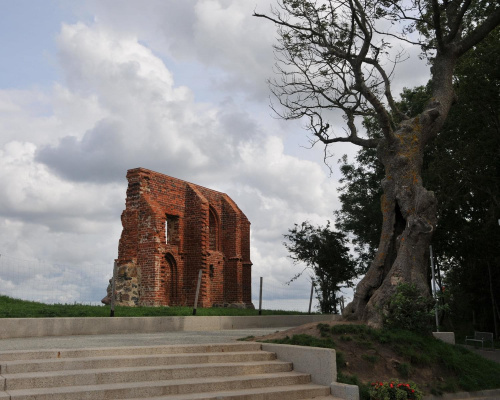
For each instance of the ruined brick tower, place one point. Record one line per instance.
(171, 230)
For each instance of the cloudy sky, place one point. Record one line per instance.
(90, 89)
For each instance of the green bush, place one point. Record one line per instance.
(395, 390)
(407, 309)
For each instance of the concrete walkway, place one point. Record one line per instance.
(132, 339)
(493, 354)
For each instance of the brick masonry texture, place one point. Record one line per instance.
(171, 230)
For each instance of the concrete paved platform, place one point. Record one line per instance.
(132, 339)
(39, 327)
(490, 354)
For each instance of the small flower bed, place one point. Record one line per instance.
(394, 390)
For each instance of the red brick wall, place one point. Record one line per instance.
(218, 245)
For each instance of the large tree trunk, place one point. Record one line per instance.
(409, 210)
(409, 219)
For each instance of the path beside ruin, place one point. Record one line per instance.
(133, 339)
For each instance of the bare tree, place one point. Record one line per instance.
(336, 55)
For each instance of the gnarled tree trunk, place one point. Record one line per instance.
(409, 218)
(409, 210)
(331, 59)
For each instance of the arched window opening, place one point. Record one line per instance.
(213, 231)
(171, 289)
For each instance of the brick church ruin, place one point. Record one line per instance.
(171, 230)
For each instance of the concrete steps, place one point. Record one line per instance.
(25, 366)
(228, 371)
(295, 392)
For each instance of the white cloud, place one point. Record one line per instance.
(177, 86)
(228, 37)
(34, 191)
(297, 182)
(117, 108)
(144, 116)
(218, 38)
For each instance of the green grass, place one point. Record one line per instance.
(404, 370)
(14, 308)
(468, 371)
(472, 371)
(306, 340)
(371, 358)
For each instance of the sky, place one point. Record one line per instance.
(90, 89)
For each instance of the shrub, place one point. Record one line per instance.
(395, 390)
(407, 309)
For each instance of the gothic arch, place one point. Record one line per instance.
(172, 280)
(213, 230)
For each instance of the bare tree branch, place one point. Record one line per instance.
(327, 59)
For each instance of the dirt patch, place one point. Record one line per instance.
(367, 359)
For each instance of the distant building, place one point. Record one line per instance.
(171, 230)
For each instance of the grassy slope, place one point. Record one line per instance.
(458, 368)
(14, 308)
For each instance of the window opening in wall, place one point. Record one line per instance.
(213, 231)
(167, 239)
(171, 227)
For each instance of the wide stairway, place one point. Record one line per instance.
(216, 371)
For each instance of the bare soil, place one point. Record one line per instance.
(369, 361)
